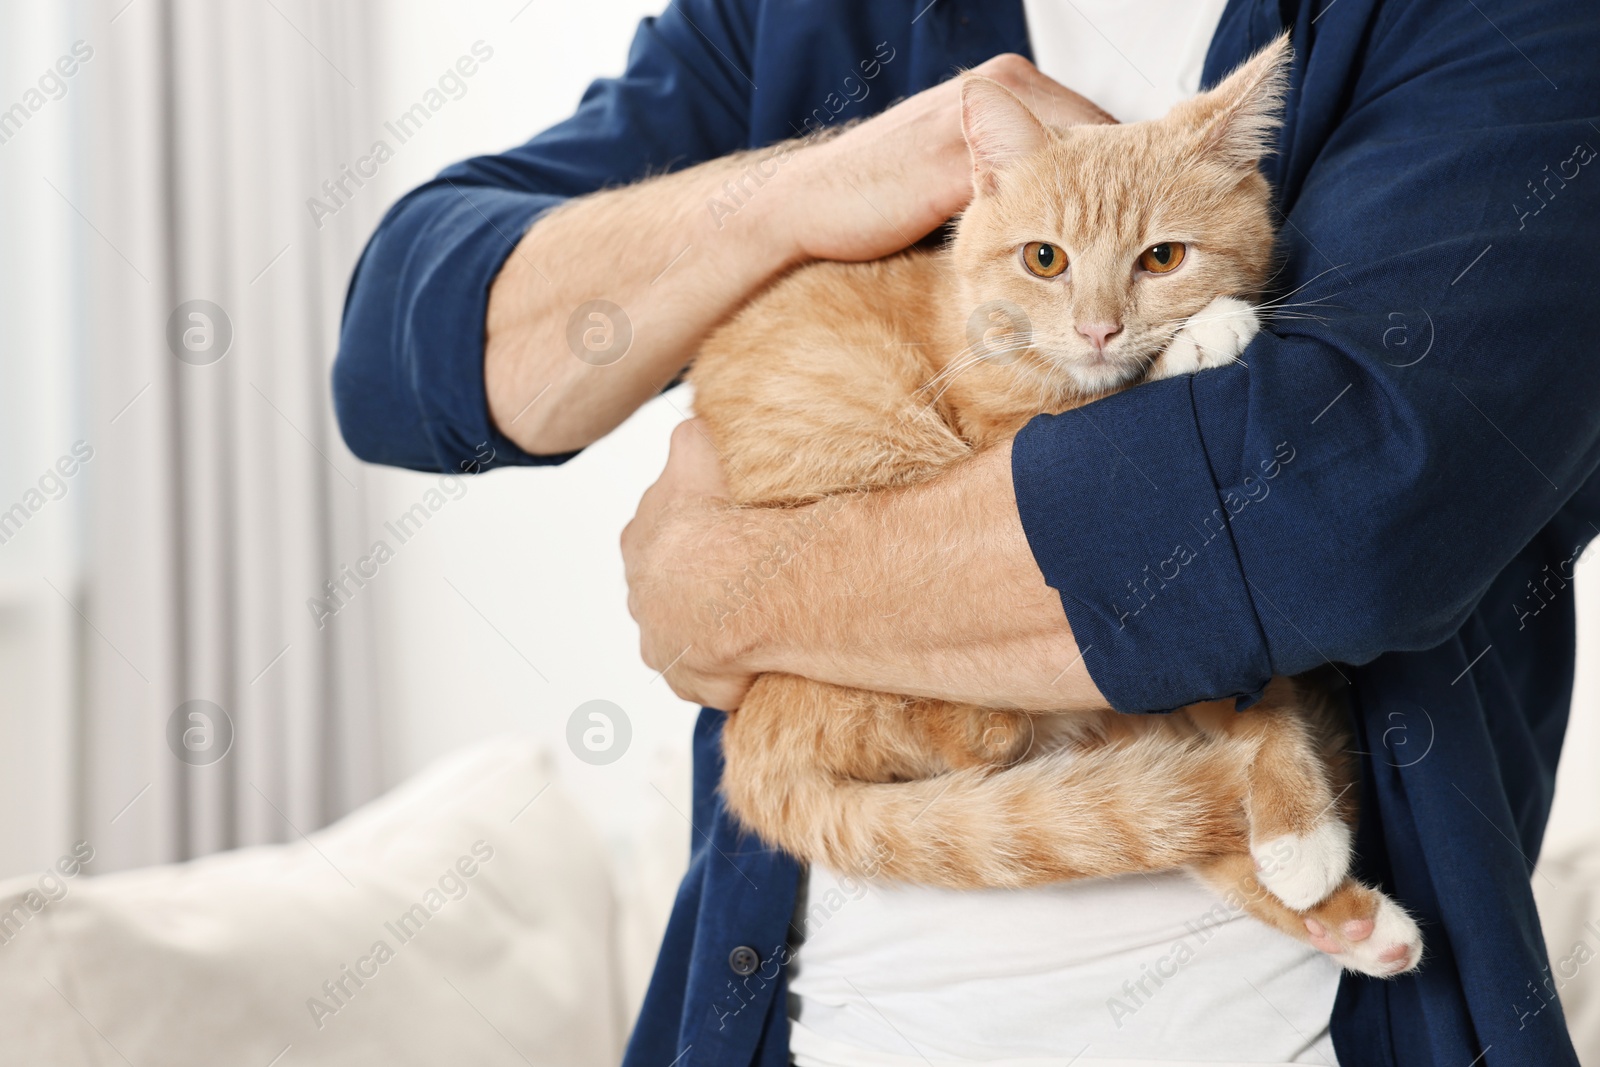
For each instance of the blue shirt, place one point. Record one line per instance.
(1398, 487)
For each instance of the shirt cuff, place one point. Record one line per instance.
(444, 334)
(1123, 513)
(410, 390)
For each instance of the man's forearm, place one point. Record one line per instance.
(606, 298)
(948, 603)
(674, 255)
(929, 590)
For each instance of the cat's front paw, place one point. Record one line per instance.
(1213, 337)
(1302, 869)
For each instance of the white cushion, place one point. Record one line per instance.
(224, 959)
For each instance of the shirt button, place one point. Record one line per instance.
(744, 960)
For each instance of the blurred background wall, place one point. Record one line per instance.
(172, 268)
(183, 160)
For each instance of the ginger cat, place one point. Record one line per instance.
(1091, 258)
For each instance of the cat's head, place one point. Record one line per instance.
(1103, 239)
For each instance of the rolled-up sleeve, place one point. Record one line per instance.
(1421, 406)
(408, 379)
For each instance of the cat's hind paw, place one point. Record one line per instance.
(1302, 869)
(1383, 946)
(1213, 337)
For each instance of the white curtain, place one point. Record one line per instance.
(222, 497)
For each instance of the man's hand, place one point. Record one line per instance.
(672, 553)
(929, 590)
(885, 183)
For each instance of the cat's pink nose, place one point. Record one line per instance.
(1099, 333)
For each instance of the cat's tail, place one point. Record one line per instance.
(1152, 802)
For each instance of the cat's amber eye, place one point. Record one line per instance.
(1043, 259)
(1161, 258)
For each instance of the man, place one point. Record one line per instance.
(1400, 491)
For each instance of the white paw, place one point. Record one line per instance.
(1393, 947)
(1300, 871)
(1213, 337)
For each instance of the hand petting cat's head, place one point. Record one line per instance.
(1107, 238)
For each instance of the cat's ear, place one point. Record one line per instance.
(1238, 121)
(999, 129)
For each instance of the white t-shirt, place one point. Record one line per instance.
(1118, 972)
(1121, 972)
(1135, 58)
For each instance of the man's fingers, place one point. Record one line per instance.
(686, 674)
(693, 462)
(697, 690)
(1007, 68)
(1055, 104)
(686, 495)
(684, 436)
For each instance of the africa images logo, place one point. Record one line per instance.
(199, 732)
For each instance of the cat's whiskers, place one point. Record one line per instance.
(1043, 402)
(1275, 311)
(973, 354)
(1301, 318)
(1274, 305)
(959, 363)
(1283, 265)
(957, 367)
(1280, 300)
